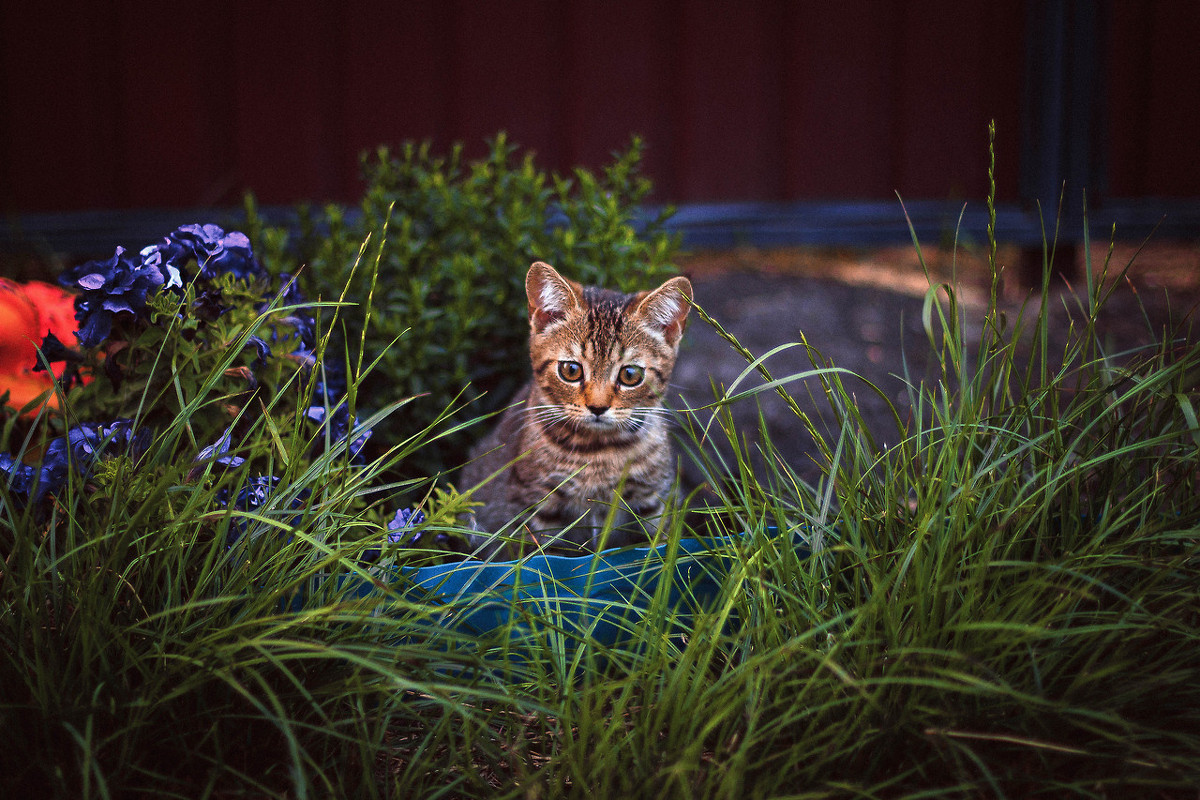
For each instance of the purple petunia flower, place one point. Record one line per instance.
(340, 426)
(264, 351)
(152, 257)
(16, 476)
(55, 469)
(84, 445)
(404, 520)
(118, 285)
(289, 290)
(88, 442)
(214, 251)
(254, 496)
(306, 330)
(400, 526)
(218, 452)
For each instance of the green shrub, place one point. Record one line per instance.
(448, 309)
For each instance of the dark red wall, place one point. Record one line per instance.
(121, 104)
(1154, 98)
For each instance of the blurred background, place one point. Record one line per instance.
(767, 122)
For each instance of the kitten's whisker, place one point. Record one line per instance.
(542, 409)
(648, 415)
(546, 417)
(534, 411)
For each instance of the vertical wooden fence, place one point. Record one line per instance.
(127, 104)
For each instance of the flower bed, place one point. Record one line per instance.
(188, 344)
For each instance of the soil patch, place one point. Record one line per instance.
(861, 310)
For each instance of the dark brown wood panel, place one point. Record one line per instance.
(62, 90)
(175, 108)
(397, 80)
(958, 66)
(123, 104)
(618, 83)
(727, 98)
(285, 100)
(1154, 98)
(840, 100)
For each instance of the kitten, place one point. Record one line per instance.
(589, 430)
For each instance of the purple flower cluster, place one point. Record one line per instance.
(214, 251)
(114, 293)
(400, 532)
(122, 284)
(83, 446)
(89, 442)
(107, 288)
(252, 498)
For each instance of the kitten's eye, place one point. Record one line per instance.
(570, 371)
(630, 375)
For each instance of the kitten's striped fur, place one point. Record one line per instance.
(589, 428)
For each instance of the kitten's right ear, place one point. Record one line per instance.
(550, 295)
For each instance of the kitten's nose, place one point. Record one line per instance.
(598, 410)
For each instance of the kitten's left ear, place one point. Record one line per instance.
(667, 307)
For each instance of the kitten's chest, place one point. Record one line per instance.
(579, 480)
(590, 482)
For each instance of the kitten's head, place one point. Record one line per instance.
(603, 358)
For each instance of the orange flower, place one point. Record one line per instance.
(27, 313)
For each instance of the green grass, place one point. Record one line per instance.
(1003, 603)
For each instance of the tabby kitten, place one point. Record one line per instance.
(589, 430)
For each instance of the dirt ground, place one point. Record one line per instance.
(862, 311)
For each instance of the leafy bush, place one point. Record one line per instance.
(456, 238)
